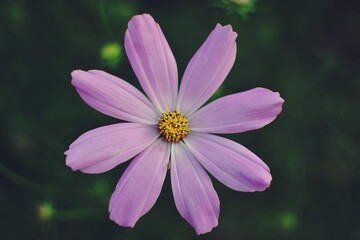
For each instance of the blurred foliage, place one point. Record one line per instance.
(308, 51)
(46, 211)
(241, 7)
(110, 54)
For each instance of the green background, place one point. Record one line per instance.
(307, 50)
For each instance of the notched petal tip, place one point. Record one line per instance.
(207, 230)
(277, 99)
(120, 222)
(78, 77)
(140, 17)
(227, 28)
(71, 167)
(268, 91)
(79, 73)
(76, 74)
(263, 183)
(69, 163)
(280, 102)
(72, 163)
(76, 71)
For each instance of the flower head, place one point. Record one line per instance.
(168, 127)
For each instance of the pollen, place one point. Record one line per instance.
(173, 126)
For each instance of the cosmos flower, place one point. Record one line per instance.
(170, 129)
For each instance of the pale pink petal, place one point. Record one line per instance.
(229, 162)
(238, 112)
(104, 148)
(113, 96)
(152, 60)
(194, 195)
(140, 185)
(207, 69)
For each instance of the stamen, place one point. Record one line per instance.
(173, 126)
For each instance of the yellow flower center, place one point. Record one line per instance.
(173, 126)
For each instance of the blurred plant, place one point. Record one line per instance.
(241, 7)
(78, 214)
(289, 221)
(22, 181)
(18, 15)
(21, 143)
(102, 190)
(114, 12)
(111, 54)
(121, 9)
(46, 211)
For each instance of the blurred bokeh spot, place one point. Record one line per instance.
(289, 221)
(111, 54)
(46, 211)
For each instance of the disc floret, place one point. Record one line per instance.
(173, 126)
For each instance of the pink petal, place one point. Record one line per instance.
(152, 60)
(194, 195)
(229, 162)
(104, 148)
(207, 69)
(140, 185)
(238, 112)
(113, 96)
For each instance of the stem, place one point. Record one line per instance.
(21, 181)
(77, 214)
(104, 16)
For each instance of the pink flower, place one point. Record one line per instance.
(171, 129)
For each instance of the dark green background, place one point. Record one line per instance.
(307, 50)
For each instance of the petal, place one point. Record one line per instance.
(113, 96)
(194, 195)
(207, 69)
(152, 60)
(238, 112)
(229, 162)
(104, 148)
(140, 186)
